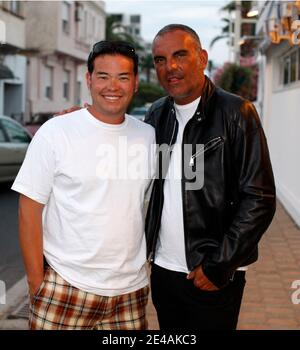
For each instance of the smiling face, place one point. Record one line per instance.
(180, 64)
(112, 85)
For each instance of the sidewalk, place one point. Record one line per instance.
(267, 302)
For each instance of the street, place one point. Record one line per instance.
(11, 265)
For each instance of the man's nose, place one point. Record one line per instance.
(171, 64)
(113, 84)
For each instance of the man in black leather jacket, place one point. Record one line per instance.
(203, 230)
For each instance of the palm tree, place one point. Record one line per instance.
(225, 33)
(245, 7)
(116, 31)
(147, 65)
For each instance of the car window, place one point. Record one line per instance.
(15, 132)
(139, 111)
(2, 136)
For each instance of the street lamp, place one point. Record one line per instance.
(253, 12)
(250, 37)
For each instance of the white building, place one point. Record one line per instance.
(279, 96)
(59, 37)
(129, 23)
(12, 64)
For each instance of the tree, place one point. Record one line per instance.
(147, 65)
(230, 7)
(236, 79)
(147, 93)
(116, 31)
(225, 32)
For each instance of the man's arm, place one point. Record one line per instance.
(31, 241)
(256, 204)
(71, 109)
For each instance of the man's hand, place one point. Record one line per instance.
(31, 241)
(200, 280)
(34, 287)
(72, 109)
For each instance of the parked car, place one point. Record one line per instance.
(37, 121)
(139, 112)
(14, 140)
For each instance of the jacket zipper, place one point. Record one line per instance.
(170, 144)
(187, 247)
(208, 146)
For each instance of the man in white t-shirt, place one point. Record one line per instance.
(82, 185)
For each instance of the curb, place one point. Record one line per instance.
(14, 296)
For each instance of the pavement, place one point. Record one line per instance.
(272, 293)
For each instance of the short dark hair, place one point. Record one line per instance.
(174, 26)
(107, 47)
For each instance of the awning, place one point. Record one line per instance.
(5, 72)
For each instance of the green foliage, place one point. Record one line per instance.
(236, 79)
(147, 64)
(225, 30)
(115, 31)
(147, 93)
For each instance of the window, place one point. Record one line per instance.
(293, 66)
(248, 29)
(2, 136)
(78, 93)
(299, 64)
(286, 72)
(15, 132)
(85, 24)
(290, 68)
(66, 17)
(116, 18)
(66, 84)
(135, 19)
(48, 92)
(78, 12)
(15, 7)
(94, 26)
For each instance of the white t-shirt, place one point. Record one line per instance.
(92, 178)
(170, 252)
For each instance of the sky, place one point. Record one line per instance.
(203, 16)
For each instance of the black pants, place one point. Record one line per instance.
(182, 306)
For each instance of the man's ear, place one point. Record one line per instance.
(137, 83)
(203, 58)
(88, 80)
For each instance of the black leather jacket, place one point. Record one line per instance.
(225, 219)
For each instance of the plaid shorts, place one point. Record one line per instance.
(58, 305)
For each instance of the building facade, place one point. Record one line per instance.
(12, 63)
(279, 95)
(59, 37)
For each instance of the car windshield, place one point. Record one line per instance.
(139, 111)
